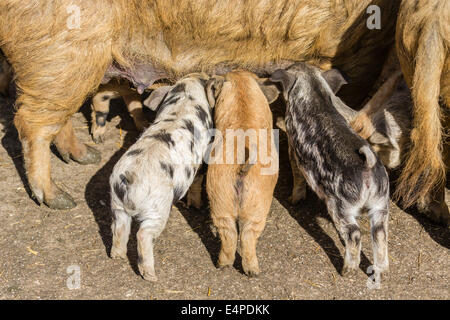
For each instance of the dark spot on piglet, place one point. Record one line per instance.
(376, 230)
(163, 137)
(119, 190)
(134, 152)
(167, 168)
(181, 87)
(170, 100)
(201, 114)
(353, 233)
(188, 172)
(120, 187)
(127, 178)
(188, 125)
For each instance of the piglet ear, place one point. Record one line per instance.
(378, 138)
(334, 78)
(213, 88)
(269, 89)
(286, 78)
(156, 97)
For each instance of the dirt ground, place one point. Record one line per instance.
(300, 253)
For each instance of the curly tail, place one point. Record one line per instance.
(251, 159)
(371, 159)
(424, 169)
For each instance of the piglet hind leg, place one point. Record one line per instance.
(146, 262)
(379, 217)
(224, 217)
(121, 231)
(345, 222)
(250, 230)
(153, 223)
(226, 226)
(352, 237)
(299, 187)
(194, 195)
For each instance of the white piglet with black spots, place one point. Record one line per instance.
(160, 167)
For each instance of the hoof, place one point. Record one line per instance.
(193, 202)
(251, 268)
(149, 277)
(92, 156)
(118, 254)
(348, 271)
(148, 274)
(98, 139)
(297, 196)
(293, 200)
(65, 156)
(141, 125)
(224, 267)
(382, 270)
(252, 273)
(62, 201)
(224, 264)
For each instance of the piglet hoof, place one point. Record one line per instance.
(65, 156)
(141, 125)
(98, 138)
(250, 267)
(297, 196)
(348, 271)
(195, 202)
(62, 201)
(293, 199)
(98, 133)
(381, 269)
(118, 253)
(252, 273)
(224, 267)
(148, 273)
(92, 156)
(224, 262)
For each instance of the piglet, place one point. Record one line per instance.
(241, 179)
(160, 167)
(338, 165)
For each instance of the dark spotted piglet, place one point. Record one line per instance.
(160, 167)
(338, 164)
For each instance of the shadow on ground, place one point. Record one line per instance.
(10, 140)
